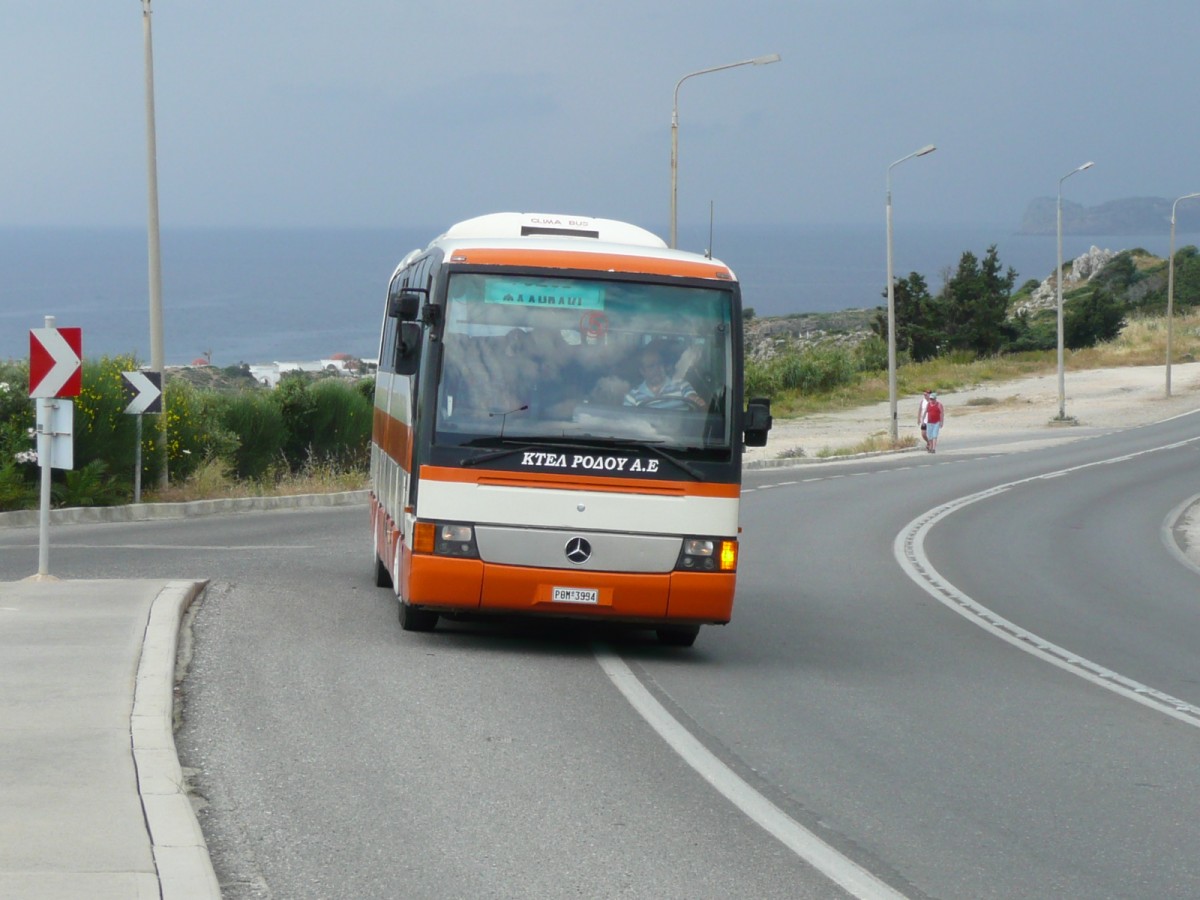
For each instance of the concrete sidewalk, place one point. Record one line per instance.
(92, 799)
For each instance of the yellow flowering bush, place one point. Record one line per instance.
(103, 432)
(259, 437)
(18, 455)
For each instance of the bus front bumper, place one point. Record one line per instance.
(471, 586)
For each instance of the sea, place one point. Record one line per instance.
(242, 295)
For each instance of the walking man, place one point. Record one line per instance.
(935, 415)
(921, 421)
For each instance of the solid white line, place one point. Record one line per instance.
(909, 550)
(1168, 532)
(223, 548)
(847, 874)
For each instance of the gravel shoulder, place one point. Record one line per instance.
(1011, 414)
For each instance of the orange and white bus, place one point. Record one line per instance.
(558, 427)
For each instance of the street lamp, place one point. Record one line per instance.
(1058, 275)
(155, 259)
(893, 428)
(1171, 288)
(757, 61)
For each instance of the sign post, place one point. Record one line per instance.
(55, 372)
(143, 390)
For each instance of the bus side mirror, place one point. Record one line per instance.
(758, 421)
(404, 306)
(408, 349)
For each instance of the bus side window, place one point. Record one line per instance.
(386, 342)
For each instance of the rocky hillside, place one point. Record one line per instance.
(1083, 269)
(767, 336)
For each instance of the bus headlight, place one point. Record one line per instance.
(445, 539)
(708, 555)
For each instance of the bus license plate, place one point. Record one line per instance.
(576, 595)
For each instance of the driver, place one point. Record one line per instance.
(659, 391)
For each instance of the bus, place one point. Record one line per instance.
(558, 428)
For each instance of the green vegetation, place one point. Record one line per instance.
(977, 329)
(309, 434)
(312, 434)
(1141, 342)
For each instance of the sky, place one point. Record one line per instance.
(383, 113)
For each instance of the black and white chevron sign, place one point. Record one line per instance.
(144, 391)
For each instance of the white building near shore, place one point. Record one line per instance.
(269, 373)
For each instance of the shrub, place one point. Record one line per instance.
(255, 421)
(104, 433)
(758, 381)
(296, 405)
(1093, 319)
(366, 387)
(89, 485)
(818, 370)
(871, 355)
(815, 370)
(16, 490)
(305, 427)
(17, 475)
(341, 423)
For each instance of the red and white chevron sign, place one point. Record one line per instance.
(55, 369)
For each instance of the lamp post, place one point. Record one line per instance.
(155, 266)
(757, 61)
(1058, 274)
(893, 427)
(1171, 288)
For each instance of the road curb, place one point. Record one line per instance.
(147, 512)
(786, 462)
(185, 871)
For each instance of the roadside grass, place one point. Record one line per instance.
(214, 479)
(875, 443)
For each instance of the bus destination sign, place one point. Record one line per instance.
(558, 294)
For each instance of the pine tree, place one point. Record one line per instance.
(975, 304)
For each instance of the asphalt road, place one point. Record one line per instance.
(888, 719)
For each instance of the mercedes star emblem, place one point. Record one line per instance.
(578, 550)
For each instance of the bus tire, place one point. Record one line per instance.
(413, 619)
(383, 578)
(677, 635)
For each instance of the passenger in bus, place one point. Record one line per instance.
(512, 372)
(556, 390)
(488, 376)
(659, 391)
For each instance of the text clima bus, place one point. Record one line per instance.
(558, 427)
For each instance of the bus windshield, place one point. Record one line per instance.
(527, 356)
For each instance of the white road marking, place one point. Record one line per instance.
(221, 547)
(909, 550)
(1168, 532)
(840, 869)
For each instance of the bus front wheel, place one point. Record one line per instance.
(413, 619)
(677, 635)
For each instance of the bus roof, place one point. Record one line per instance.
(562, 241)
(510, 225)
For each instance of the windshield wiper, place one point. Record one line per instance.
(601, 444)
